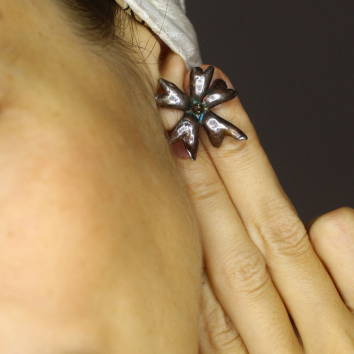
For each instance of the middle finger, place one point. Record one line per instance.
(235, 266)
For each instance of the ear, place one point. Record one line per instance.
(147, 46)
(152, 51)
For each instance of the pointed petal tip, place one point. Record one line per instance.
(210, 68)
(233, 94)
(193, 158)
(243, 137)
(163, 82)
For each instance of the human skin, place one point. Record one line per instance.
(100, 251)
(261, 264)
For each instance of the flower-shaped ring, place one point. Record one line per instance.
(197, 110)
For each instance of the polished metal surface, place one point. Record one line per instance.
(199, 82)
(219, 93)
(217, 128)
(172, 96)
(187, 130)
(197, 110)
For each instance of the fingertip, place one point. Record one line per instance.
(332, 237)
(218, 74)
(335, 224)
(173, 69)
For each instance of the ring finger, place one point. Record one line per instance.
(217, 333)
(235, 266)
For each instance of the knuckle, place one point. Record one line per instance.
(247, 276)
(229, 151)
(204, 190)
(282, 233)
(218, 330)
(241, 153)
(332, 226)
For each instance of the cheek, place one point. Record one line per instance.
(54, 200)
(83, 225)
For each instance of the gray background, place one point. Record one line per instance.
(293, 64)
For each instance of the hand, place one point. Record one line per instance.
(260, 266)
(332, 237)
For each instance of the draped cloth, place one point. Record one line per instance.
(167, 19)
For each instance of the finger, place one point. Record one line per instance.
(309, 223)
(332, 236)
(217, 333)
(235, 266)
(275, 228)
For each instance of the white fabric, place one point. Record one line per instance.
(168, 20)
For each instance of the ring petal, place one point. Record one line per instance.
(187, 130)
(217, 128)
(172, 97)
(200, 82)
(219, 93)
